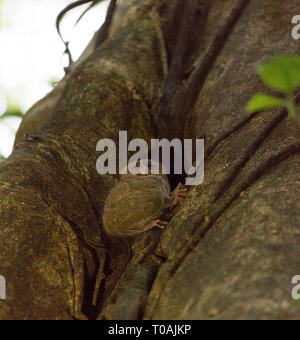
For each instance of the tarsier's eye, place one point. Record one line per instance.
(144, 167)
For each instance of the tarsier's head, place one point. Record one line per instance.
(145, 167)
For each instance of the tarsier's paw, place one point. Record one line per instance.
(156, 224)
(179, 194)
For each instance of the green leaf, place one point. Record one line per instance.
(2, 158)
(291, 107)
(282, 73)
(12, 113)
(261, 102)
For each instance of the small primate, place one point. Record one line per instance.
(134, 205)
(136, 202)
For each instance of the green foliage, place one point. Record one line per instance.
(260, 102)
(12, 113)
(2, 158)
(282, 74)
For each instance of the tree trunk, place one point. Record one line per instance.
(230, 249)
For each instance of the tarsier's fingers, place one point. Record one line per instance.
(181, 197)
(160, 224)
(182, 192)
(156, 224)
(179, 193)
(180, 188)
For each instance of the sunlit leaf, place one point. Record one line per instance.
(282, 73)
(261, 102)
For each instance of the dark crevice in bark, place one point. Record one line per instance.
(172, 13)
(88, 308)
(74, 227)
(267, 167)
(197, 78)
(95, 307)
(105, 291)
(72, 316)
(175, 75)
(175, 179)
(97, 214)
(253, 148)
(209, 151)
(161, 258)
(101, 296)
(144, 260)
(249, 153)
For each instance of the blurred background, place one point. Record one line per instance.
(31, 54)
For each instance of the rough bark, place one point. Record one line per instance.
(230, 250)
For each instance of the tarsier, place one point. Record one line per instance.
(134, 206)
(136, 202)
